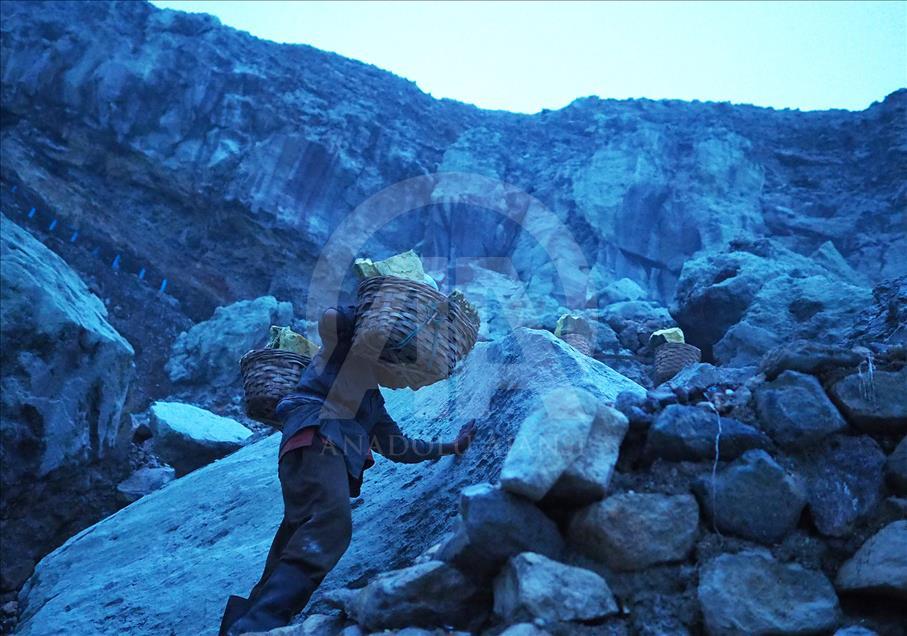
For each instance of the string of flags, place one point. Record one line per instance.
(55, 225)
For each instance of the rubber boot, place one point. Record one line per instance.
(285, 593)
(236, 607)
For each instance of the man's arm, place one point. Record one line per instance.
(389, 440)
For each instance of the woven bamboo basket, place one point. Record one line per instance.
(267, 376)
(414, 334)
(579, 342)
(671, 357)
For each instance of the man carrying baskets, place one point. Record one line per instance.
(331, 423)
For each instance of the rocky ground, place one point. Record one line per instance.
(170, 188)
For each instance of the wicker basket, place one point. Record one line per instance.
(267, 376)
(671, 357)
(415, 334)
(579, 342)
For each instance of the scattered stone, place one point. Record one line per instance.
(633, 531)
(209, 352)
(524, 629)
(187, 437)
(795, 411)
(807, 356)
(586, 480)
(620, 291)
(896, 467)
(753, 498)
(752, 593)
(143, 481)
(689, 433)
(532, 587)
(844, 482)
(495, 526)
(314, 625)
(875, 402)
(880, 565)
(855, 630)
(694, 382)
(549, 440)
(424, 595)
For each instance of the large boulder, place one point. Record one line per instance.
(587, 479)
(632, 531)
(143, 481)
(741, 303)
(550, 440)
(752, 593)
(690, 433)
(533, 587)
(404, 508)
(64, 379)
(880, 565)
(187, 437)
(843, 481)
(424, 595)
(209, 352)
(795, 410)
(754, 498)
(875, 401)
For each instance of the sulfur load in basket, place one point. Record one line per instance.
(414, 332)
(271, 373)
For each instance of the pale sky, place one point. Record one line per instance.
(525, 56)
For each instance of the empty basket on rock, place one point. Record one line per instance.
(267, 376)
(415, 333)
(671, 357)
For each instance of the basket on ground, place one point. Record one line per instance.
(671, 357)
(267, 376)
(414, 334)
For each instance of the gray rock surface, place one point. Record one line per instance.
(550, 440)
(688, 433)
(404, 508)
(496, 525)
(747, 300)
(532, 587)
(754, 498)
(187, 437)
(874, 402)
(144, 481)
(752, 593)
(880, 565)
(65, 376)
(587, 479)
(424, 595)
(807, 356)
(795, 411)
(633, 531)
(209, 352)
(844, 478)
(896, 467)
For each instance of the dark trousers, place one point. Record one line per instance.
(317, 520)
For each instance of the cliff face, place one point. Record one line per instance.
(224, 163)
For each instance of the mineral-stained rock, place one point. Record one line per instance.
(424, 595)
(754, 498)
(795, 411)
(532, 587)
(187, 437)
(633, 531)
(587, 478)
(875, 402)
(144, 481)
(64, 379)
(752, 593)
(689, 433)
(209, 352)
(880, 565)
(896, 467)
(843, 481)
(550, 439)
